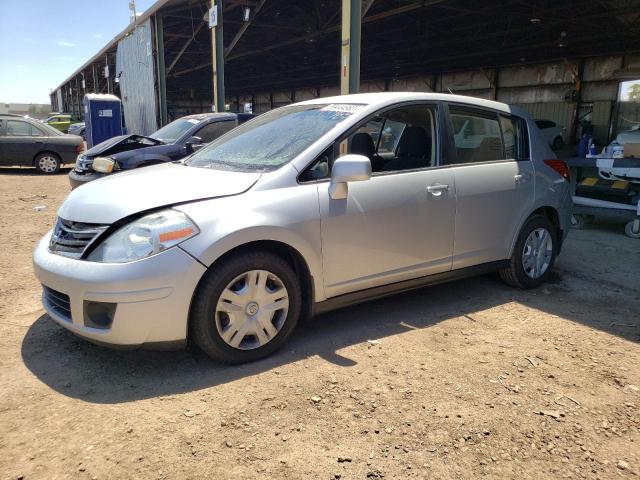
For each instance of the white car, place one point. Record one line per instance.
(304, 209)
(552, 132)
(628, 136)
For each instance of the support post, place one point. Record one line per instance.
(217, 60)
(106, 61)
(496, 83)
(350, 57)
(96, 88)
(78, 111)
(160, 70)
(575, 122)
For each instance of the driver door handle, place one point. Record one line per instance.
(436, 189)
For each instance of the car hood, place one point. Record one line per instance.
(114, 197)
(115, 144)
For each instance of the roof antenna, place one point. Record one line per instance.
(450, 91)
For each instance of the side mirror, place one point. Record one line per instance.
(192, 143)
(348, 168)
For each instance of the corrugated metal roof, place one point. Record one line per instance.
(112, 44)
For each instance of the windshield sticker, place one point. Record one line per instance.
(341, 107)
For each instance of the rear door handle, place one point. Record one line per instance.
(436, 189)
(519, 177)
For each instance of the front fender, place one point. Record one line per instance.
(289, 216)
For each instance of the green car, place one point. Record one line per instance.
(59, 121)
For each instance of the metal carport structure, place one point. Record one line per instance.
(562, 60)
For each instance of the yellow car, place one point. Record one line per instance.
(59, 121)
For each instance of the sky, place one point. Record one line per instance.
(42, 42)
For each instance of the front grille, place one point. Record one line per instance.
(83, 163)
(71, 239)
(58, 302)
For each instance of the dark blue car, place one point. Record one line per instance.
(172, 142)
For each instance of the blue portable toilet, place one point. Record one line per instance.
(102, 117)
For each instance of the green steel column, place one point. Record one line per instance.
(217, 53)
(160, 70)
(351, 34)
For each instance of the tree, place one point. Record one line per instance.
(634, 92)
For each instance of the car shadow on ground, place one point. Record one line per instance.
(95, 374)
(31, 171)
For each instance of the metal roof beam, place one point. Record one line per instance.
(184, 47)
(336, 28)
(243, 28)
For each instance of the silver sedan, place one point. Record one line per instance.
(305, 209)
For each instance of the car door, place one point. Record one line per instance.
(20, 143)
(397, 225)
(494, 184)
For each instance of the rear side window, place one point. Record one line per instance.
(477, 136)
(211, 131)
(21, 129)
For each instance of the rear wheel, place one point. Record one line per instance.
(246, 307)
(632, 228)
(48, 163)
(533, 255)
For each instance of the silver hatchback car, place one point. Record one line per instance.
(304, 209)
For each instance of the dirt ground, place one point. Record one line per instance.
(466, 380)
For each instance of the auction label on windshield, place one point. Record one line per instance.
(341, 107)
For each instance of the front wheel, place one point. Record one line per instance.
(48, 163)
(533, 255)
(245, 307)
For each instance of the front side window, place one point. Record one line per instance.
(399, 139)
(272, 139)
(476, 135)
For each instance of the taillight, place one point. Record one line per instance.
(560, 167)
(80, 148)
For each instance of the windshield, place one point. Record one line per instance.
(174, 130)
(272, 139)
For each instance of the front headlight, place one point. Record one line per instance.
(103, 164)
(144, 237)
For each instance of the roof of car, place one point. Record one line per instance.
(387, 97)
(21, 117)
(214, 115)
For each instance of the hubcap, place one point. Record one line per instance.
(252, 309)
(48, 164)
(537, 253)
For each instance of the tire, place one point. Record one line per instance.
(557, 143)
(632, 229)
(519, 275)
(47, 163)
(214, 318)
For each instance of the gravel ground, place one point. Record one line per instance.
(463, 380)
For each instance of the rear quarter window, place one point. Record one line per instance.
(515, 137)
